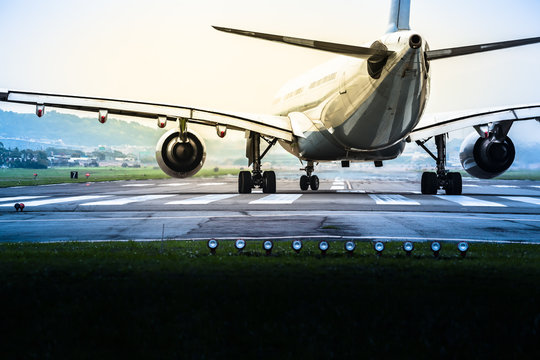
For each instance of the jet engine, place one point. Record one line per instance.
(488, 157)
(179, 157)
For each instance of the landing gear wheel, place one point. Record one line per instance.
(314, 182)
(244, 182)
(269, 182)
(304, 182)
(454, 183)
(430, 184)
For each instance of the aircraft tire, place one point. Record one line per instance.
(314, 182)
(269, 182)
(304, 182)
(455, 184)
(429, 183)
(244, 182)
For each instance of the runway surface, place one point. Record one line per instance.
(365, 209)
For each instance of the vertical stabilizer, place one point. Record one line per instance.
(399, 15)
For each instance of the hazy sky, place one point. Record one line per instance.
(166, 51)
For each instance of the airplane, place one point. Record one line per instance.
(365, 104)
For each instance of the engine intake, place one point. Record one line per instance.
(486, 158)
(177, 158)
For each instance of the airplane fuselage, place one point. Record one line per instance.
(359, 109)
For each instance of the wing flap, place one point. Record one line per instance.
(437, 124)
(269, 125)
(342, 49)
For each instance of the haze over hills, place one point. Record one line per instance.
(27, 131)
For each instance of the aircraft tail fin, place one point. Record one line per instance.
(399, 15)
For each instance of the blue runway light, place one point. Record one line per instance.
(463, 247)
(212, 245)
(323, 246)
(436, 248)
(379, 247)
(349, 247)
(240, 244)
(267, 246)
(408, 247)
(297, 245)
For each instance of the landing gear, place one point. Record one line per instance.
(309, 180)
(257, 178)
(443, 179)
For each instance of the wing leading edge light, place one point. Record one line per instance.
(364, 105)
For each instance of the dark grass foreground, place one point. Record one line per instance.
(118, 300)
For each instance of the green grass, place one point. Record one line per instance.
(23, 177)
(110, 300)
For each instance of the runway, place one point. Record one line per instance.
(363, 209)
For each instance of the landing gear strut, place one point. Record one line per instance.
(256, 178)
(443, 179)
(309, 181)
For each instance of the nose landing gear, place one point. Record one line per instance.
(309, 180)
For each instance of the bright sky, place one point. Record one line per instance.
(166, 50)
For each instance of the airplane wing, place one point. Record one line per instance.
(437, 124)
(273, 126)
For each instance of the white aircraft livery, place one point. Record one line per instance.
(365, 104)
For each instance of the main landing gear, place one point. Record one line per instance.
(309, 181)
(443, 179)
(248, 180)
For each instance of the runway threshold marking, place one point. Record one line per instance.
(469, 201)
(202, 200)
(392, 200)
(525, 199)
(277, 199)
(60, 200)
(126, 200)
(19, 198)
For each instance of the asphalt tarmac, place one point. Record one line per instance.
(363, 209)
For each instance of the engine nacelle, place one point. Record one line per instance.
(486, 158)
(180, 159)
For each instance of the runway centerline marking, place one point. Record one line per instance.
(60, 200)
(137, 185)
(19, 198)
(469, 201)
(525, 199)
(277, 199)
(202, 200)
(392, 200)
(126, 200)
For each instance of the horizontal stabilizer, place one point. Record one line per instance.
(472, 49)
(350, 50)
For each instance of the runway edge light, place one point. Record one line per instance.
(297, 245)
(463, 247)
(436, 248)
(268, 245)
(212, 245)
(240, 244)
(349, 247)
(379, 247)
(323, 246)
(408, 247)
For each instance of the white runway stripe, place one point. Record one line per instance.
(202, 200)
(468, 201)
(174, 184)
(277, 199)
(505, 186)
(60, 200)
(470, 185)
(127, 200)
(138, 185)
(392, 200)
(19, 198)
(536, 186)
(525, 199)
(211, 184)
(337, 187)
